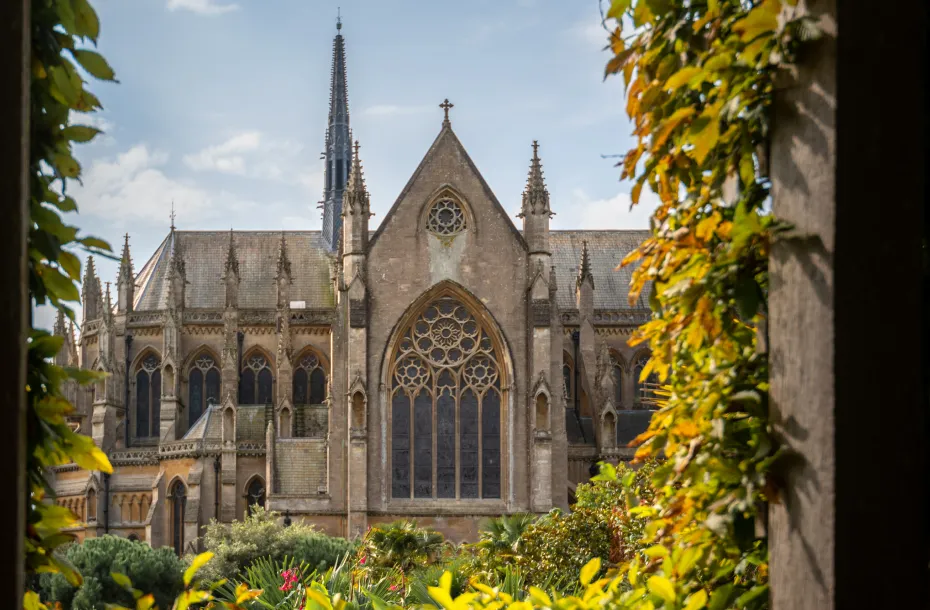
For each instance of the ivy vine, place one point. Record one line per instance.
(700, 82)
(61, 31)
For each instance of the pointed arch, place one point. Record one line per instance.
(177, 495)
(618, 369)
(447, 192)
(147, 377)
(310, 377)
(256, 377)
(447, 371)
(644, 396)
(204, 382)
(254, 493)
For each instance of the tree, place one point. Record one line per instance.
(159, 570)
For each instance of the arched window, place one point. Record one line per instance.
(203, 386)
(148, 396)
(568, 376)
(256, 383)
(309, 380)
(255, 494)
(133, 538)
(616, 369)
(91, 506)
(446, 218)
(446, 381)
(645, 397)
(178, 496)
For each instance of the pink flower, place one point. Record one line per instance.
(393, 588)
(362, 561)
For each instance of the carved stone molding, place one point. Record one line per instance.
(203, 330)
(203, 317)
(153, 318)
(134, 457)
(312, 316)
(311, 330)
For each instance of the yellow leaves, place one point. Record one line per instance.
(199, 561)
(762, 20)
(685, 429)
(683, 77)
(590, 570)
(669, 125)
(244, 594)
(706, 226)
(662, 587)
(697, 600)
(31, 601)
(540, 598)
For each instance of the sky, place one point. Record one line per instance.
(221, 108)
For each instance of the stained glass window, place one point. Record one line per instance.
(309, 382)
(203, 386)
(256, 383)
(148, 396)
(178, 502)
(446, 371)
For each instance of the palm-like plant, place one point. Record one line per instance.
(402, 545)
(504, 534)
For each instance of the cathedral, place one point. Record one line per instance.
(444, 366)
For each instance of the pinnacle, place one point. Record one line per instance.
(284, 263)
(125, 266)
(535, 195)
(584, 271)
(232, 259)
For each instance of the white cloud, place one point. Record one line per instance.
(392, 110)
(203, 7)
(253, 155)
(132, 186)
(613, 213)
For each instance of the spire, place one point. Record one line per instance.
(108, 311)
(125, 292)
(176, 273)
(59, 328)
(338, 152)
(357, 199)
(232, 258)
(284, 263)
(125, 265)
(535, 195)
(584, 271)
(90, 291)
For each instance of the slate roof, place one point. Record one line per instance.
(204, 255)
(606, 249)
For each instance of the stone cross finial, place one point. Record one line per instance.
(446, 105)
(535, 148)
(173, 215)
(356, 149)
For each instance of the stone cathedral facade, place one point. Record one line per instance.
(446, 365)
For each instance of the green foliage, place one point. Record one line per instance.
(96, 558)
(237, 545)
(282, 583)
(558, 545)
(61, 31)
(400, 545)
(700, 82)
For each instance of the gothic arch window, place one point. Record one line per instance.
(178, 497)
(256, 383)
(446, 383)
(91, 505)
(309, 382)
(446, 218)
(255, 494)
(645, 391)
(616, 368)
(203, 383)
(568, 380)
(148, 395)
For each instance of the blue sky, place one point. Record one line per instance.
(222, 107)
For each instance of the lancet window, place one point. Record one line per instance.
(178, 496)
(645, 396)
(446, 407)
(255, 494)
(148, 396)
(256, 383)
(203, 385)
(309, 380)
(616, 369)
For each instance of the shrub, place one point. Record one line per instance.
(557, 546)
(159, 570)
(401, 545)
(237, 545)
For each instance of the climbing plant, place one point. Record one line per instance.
(61, 31)
(700, 81)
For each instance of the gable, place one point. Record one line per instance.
(446, 165)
